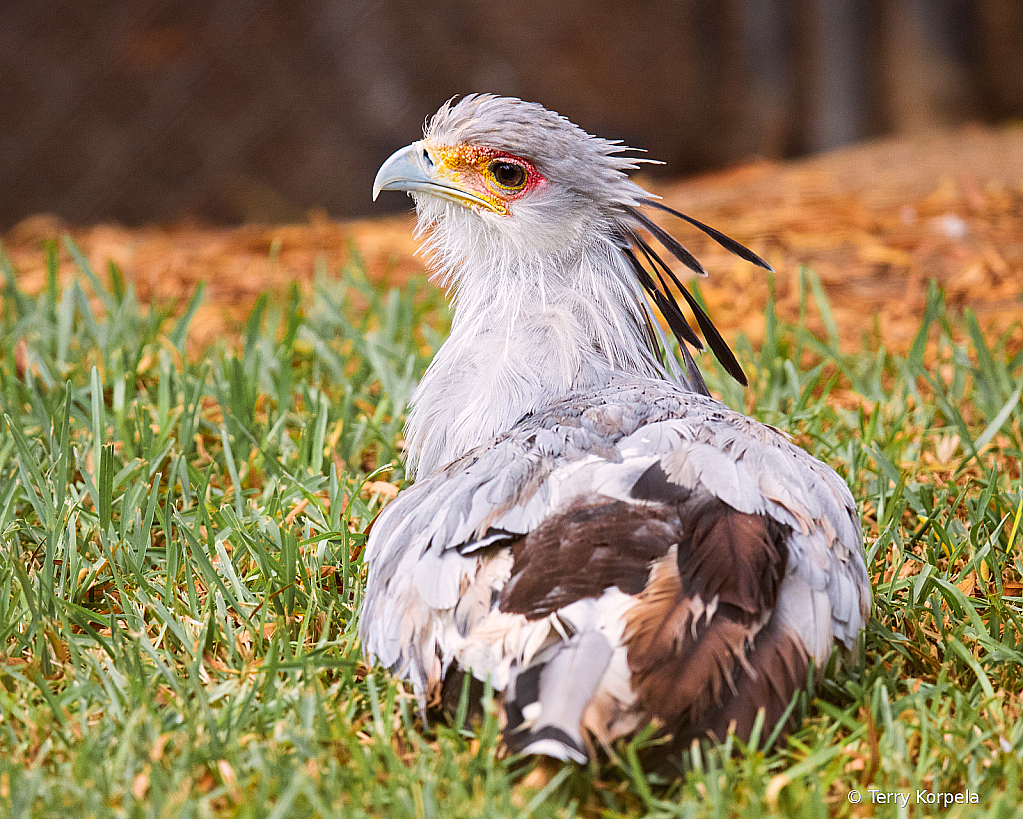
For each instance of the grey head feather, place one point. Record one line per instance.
(589, 167)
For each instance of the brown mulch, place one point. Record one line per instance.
(875, 222)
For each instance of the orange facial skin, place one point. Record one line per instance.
(472, 168)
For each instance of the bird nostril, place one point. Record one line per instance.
(426, 158)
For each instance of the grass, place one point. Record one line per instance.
(180, 571)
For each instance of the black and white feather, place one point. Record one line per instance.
(591, 531)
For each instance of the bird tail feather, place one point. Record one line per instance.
(545, 701)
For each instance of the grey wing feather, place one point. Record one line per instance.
(434, 580)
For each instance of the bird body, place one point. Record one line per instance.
(590, 531)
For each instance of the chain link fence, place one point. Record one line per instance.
(258, 110)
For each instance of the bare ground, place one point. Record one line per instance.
(875, 222)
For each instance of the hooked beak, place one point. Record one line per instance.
(412, 169)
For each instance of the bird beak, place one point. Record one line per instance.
(413, 169)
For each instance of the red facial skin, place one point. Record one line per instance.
(468, 167)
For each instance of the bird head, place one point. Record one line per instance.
(500, 170)
(510, 192)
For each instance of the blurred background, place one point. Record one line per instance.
(159, 111)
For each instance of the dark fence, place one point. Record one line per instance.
(156, 110)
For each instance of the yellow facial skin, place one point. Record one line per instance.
(495, 177)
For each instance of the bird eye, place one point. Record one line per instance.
(508, 175)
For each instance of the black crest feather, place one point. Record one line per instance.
(662, 295)
(727, 242)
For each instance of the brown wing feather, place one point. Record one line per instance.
(777, 669)
(702, 648)
(680, 664)
(693, 638)
(738, 558)
(583, 551)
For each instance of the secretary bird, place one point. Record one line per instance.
(590, 530)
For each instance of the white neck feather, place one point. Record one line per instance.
(528, 330)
